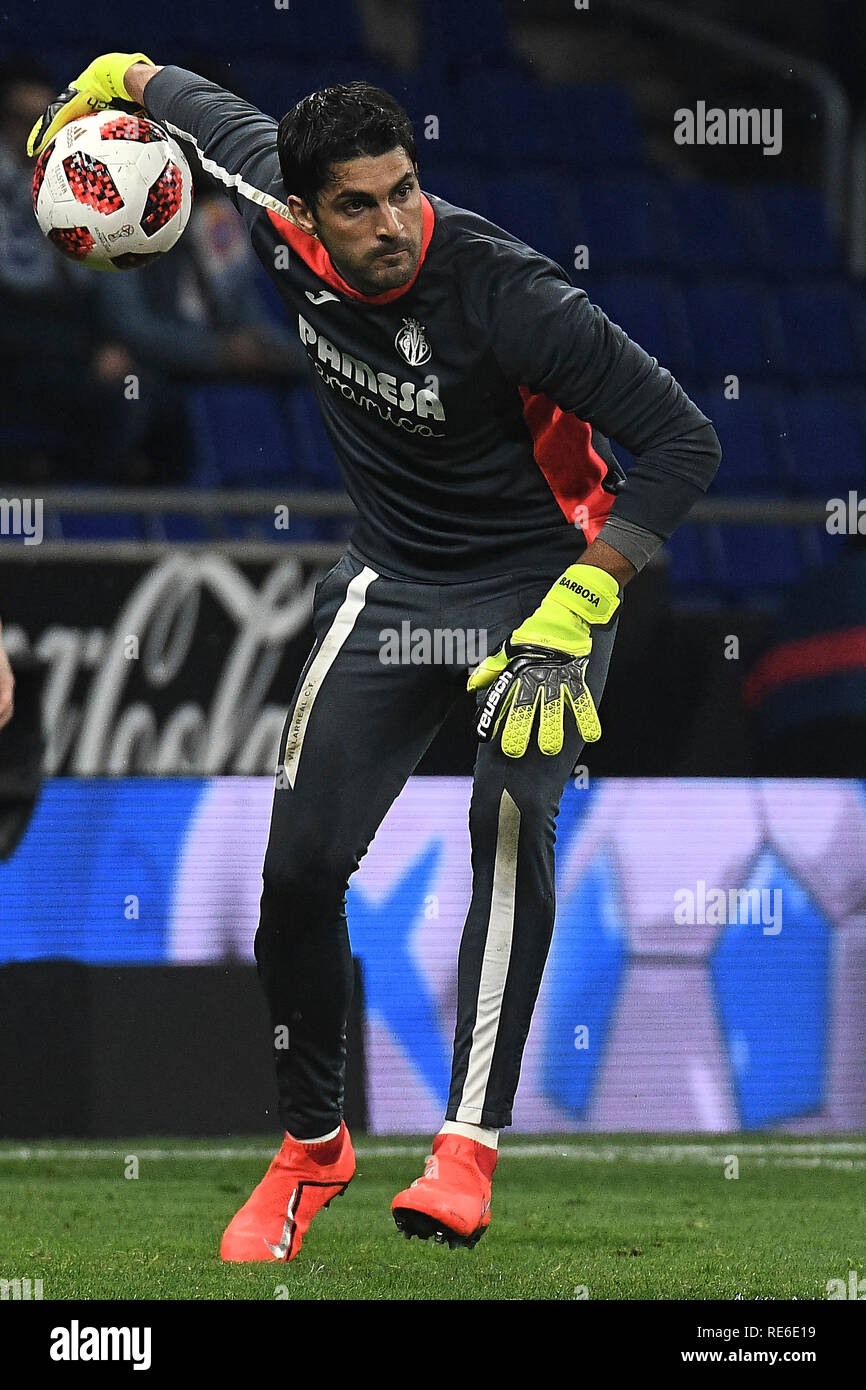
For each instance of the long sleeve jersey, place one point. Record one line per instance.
(471, 409)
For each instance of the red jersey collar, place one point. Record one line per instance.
(313, 253)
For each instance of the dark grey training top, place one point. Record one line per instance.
(470, 410)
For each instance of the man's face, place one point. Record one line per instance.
(369, 220)
(23, 103)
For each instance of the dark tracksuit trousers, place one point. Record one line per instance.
(356, 729)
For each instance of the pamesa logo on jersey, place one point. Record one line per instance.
(411, 343)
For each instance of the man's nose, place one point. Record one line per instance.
(389, 223)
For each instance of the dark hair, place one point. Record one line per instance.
(335, 124)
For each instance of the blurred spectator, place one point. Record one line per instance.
(194, 315)
(807, 691)
(197, 312)
(7, 685)
(72, 340)
(61, 380)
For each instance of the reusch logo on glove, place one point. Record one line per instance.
(491, 704)
(580, 591)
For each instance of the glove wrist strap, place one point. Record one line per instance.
(588, 592)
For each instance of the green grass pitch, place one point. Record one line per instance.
(600, 1217)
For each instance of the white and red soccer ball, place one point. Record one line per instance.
(112, 191)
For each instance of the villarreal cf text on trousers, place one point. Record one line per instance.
(357, 727)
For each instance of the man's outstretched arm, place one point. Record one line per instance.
(235, 142)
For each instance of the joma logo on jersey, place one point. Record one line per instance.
(411, 343)
(405, 395)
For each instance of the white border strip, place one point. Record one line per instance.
(845, 1156)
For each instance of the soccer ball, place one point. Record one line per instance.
(112, 191)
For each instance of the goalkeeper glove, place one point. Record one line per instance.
(543, 663)
(100, 85)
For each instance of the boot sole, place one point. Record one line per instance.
(419, 1223)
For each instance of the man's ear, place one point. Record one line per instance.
(301, 215)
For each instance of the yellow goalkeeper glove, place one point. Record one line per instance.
(100, 85)
(543, 664)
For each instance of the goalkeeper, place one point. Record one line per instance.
(469, 390)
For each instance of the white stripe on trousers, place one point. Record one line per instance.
(494, 965)
(347, 614)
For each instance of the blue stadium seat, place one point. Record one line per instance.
(592, 127)
(314, 464)
(241, 527)
(457, 183)
(66, 61)
(540, 209)
(735, 329)
(52, 18)
(692, 571)
(711, 229)
(305, 29)
(240, 437)
(748, 430)
(425, 93)
(624, 221)
(822, 330)
(820, 547)
(758, 562)
(275, 85)
(503, 117)
(825, 436)
(269, 301)
(796, 237)
(478, 35)
(101, 526)
(183, 526)
(651, 310)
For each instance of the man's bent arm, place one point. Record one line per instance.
(234, 141)
(136, 79)
(549, 338)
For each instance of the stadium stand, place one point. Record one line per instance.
(713, 280)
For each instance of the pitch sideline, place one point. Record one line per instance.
(838, 1154)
